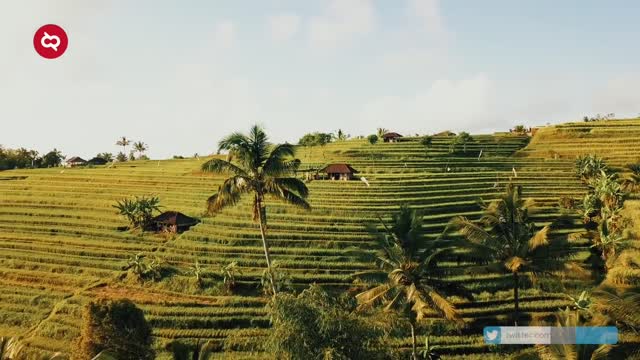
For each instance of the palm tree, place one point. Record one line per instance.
(513, 240)
(414, 283)
(568, 319)
(140, 148)
(427, 142)
(381, 132)
(632, 182)
(124, 142)
(259, 168)
(341, 135)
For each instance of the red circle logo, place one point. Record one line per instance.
(50, 41)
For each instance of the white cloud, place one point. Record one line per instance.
(428, 11)
(343, 21)
(225, 34)
(283, 27)
(447, 104)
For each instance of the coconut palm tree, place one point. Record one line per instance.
(124, 142)
(140, 148)
(414, 284)
(513, 241)
(381, 132)
(261, 169)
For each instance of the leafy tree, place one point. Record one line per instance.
(52, 159)
(108, 157)
(121, 157)
(124, 142)
(520, 129)
(138, 210)
(513, 240)
(341, 135)
(314, 139)
(462, 139)
(414, 285)
(260, 169)
(117, 326)
(140, 148)
(427, 142)
(313, 325)
(372, 139)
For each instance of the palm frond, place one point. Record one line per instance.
(470, 230)
(369, 297)
(292, 184)
(229, 193)
(291, 198)
(540, 239)
(280, 162)
(218, 166)
(515, 263)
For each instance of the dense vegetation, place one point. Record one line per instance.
(62, 246)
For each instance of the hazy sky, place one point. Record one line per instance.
(179, 75)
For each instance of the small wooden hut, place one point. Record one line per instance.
(391, 137)
(172, 221)
(338, 172)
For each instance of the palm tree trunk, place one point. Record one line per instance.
(414, 353)
(262, 211)
(516, 301)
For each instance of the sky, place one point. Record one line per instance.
(180, 75)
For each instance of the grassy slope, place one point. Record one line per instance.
(60, 247)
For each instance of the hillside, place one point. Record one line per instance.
(60, 243)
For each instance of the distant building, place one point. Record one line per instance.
(339, 171)
(446, 133)
(172, 221)
(391, 137)
(97, 161)
(76, 161)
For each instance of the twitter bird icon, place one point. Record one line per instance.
(492, 335)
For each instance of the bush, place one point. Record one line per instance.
(139, 210)
(372, 139)
(117, 326)
(314, 325)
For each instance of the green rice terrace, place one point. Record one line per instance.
(62, 243)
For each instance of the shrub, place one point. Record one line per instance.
(372, 139)
(117, 326)
(314, 325)
(139, 210)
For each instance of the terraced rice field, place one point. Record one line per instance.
(60, 243)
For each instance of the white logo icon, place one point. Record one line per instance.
(492, 335)
(53, 41)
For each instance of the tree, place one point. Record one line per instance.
(52, 159)
(117, 326)
(261, 169)
(632, 182)
(138, 210)
(372, 139)
(124, 142)
(140, 148)
(197, 270)
(513, 239)
(413, 285)
(121, 157)
(316, 138)
(314, 325)
(588, 166)
(463, 139)
(427, 142)
(108, 157)
(341, 135)
(228, 273)
(381, 131)
(520, 129)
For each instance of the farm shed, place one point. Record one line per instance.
(391, 137)
(76, 161)
(339, 171)
(172, 221)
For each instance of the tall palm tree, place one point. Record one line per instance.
(124, 142)
(414, 284)
(381, 132)
(513, 241)
(259, 168)
(140, 148)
